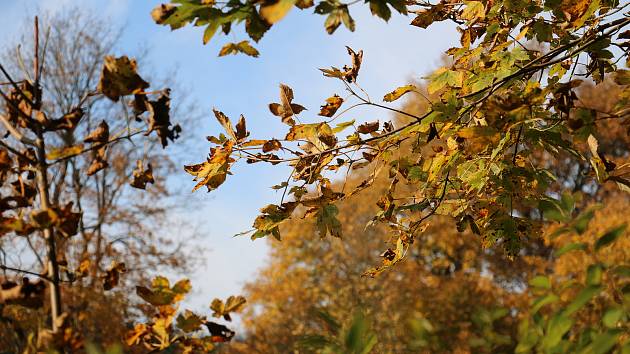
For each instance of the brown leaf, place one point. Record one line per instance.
(67, 223)
(225, 123)
(162, 12)
(100, 135)
(240, 47)
(142, 176)
(219, 332)
(99, 162)
(212, 172)
(351, 73)
(271, 145)
(67, 122)
(241, 130)
(160, 121)
(367, 128)
(112, 275)
(119, 78)
(332, 105)
(286, 109)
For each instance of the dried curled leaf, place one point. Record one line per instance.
(240, 47)
(142, 176)
(351, 73)
(119, 78)
(160, 120)
(67, 122)
(100, 135)
(99, 162)
(271, 145)
(225, 123)
(112, 275)
(367, 128)
(332, 105)
(286, 109)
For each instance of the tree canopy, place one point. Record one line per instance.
(484, 189)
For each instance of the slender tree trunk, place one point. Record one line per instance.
(42, 185)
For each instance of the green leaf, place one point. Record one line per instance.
(379, 8)
(474, 10)
(341, 126)
(327, 222)
(612, 316)
(189, 321)
(609, 237)
(571, 247)
(594, 274)
(540, 282)
(556, 328)
(443, 77)
(582, 298)
(542, 301)
(602, 343)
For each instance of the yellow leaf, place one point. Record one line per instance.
(399, 92)
(275, 12)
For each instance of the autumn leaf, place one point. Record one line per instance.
(142, 176)
(332, 105)
(213, 172)
(119, 78)
(161, 293)
(327, 222)
(189, 321)
(240, 47)
(160, 121)
(232, 304)
(271, 145)
(286, 109)
(111, 277)
(241, 129)
(225, 123)
(276, 10)
(367, 128)
(399, 92)
(100, 135)
(60, 153)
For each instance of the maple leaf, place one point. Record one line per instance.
(332, 105)
(399, 92)
(286, 109)
(100, 135)
(142, 176)
(212, 172)
(223, 309)
(241, 47)
(160, 121)
(367, 128)
(119, 78)
(112, 275)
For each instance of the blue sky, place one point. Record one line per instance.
(291, 52)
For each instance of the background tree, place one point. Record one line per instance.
(89, 204)
(450, 294)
